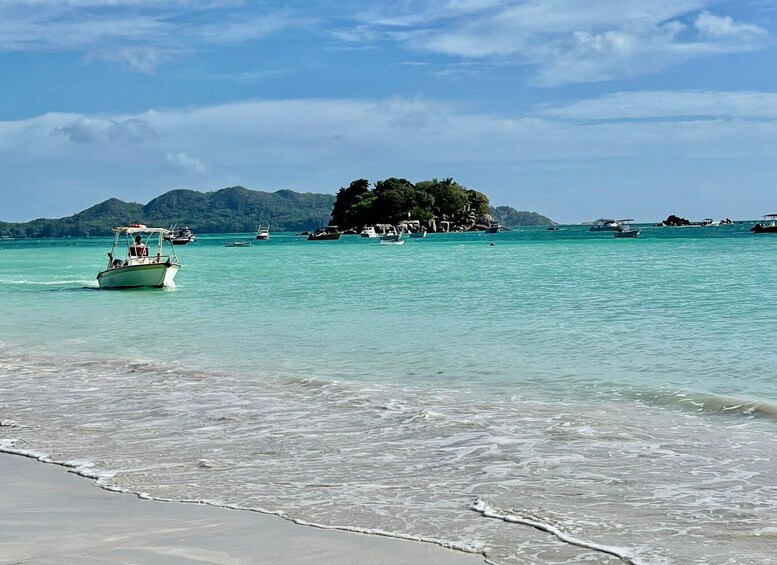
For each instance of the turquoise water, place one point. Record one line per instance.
(613, 399)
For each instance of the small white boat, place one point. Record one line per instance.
(495, 227)
(710, 222)
(420, 233)
(368, 231)
(769, 225)
(605, 224)
(136, 259)
(393, 239)
(263, 233)
(237, 244)
(624, 230)
(327, 233)
(182, 237)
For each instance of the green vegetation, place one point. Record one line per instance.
(394, 200)
(508, 216)
(433, 203)
(234, 209)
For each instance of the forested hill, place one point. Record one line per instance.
(233, 209)
(508, 216)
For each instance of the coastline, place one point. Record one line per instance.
(51, 515)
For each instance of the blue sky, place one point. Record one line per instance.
(576, 109)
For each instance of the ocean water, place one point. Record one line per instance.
(558, 397)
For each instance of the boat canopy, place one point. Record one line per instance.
(770, 216)
(627, 220)
(139, 228)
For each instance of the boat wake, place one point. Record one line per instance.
(56, 283)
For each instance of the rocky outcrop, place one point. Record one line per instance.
(675, 221)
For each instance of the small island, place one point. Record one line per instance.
(434, 205)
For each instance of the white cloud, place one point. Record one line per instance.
(141, 59)
(716, 27)
(670, 104)
(564, 40)
(320, 145)
(100, 130)
(141, 34)
(185, 162)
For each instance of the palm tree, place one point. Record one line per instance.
(466, 216)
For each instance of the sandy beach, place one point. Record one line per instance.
(50, 515)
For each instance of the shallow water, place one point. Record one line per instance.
(557, 397)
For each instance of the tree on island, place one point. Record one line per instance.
(395, 200)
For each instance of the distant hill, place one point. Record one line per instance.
(233, 209)
(508, 216)
(229, 210)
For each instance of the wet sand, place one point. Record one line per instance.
(51, 516)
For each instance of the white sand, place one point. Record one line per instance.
(51, 516)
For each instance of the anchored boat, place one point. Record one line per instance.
(136, 259)
(325, 233)
(768, 226)
(624, 230)
(263, 233)
(180, 236)
(605, 224)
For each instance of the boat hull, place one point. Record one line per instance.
(152, 275)
(324, 237)
(627, 233)
(761, 228)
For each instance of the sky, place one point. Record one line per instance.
(576, 109)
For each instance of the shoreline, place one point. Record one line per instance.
(53, 515)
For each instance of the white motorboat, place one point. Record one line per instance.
(624, 230)
(327, 233)
(420, 233)
(263, 233)
(136, 259)
(182, 237)
(392, 239)
(368, 231)
(605, 224)
(769, 225)
(710, 222)
(237, 244)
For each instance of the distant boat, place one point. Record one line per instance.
(180, 236)
(392, 239)
(419, 234)
(263, 233)
(325, 233)
(495, 227)
(139, 265)
(710, 222)
(604, 224)
(624, 230)
(237, 244)
(771, 227)
(368, 231)
(391, 235)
